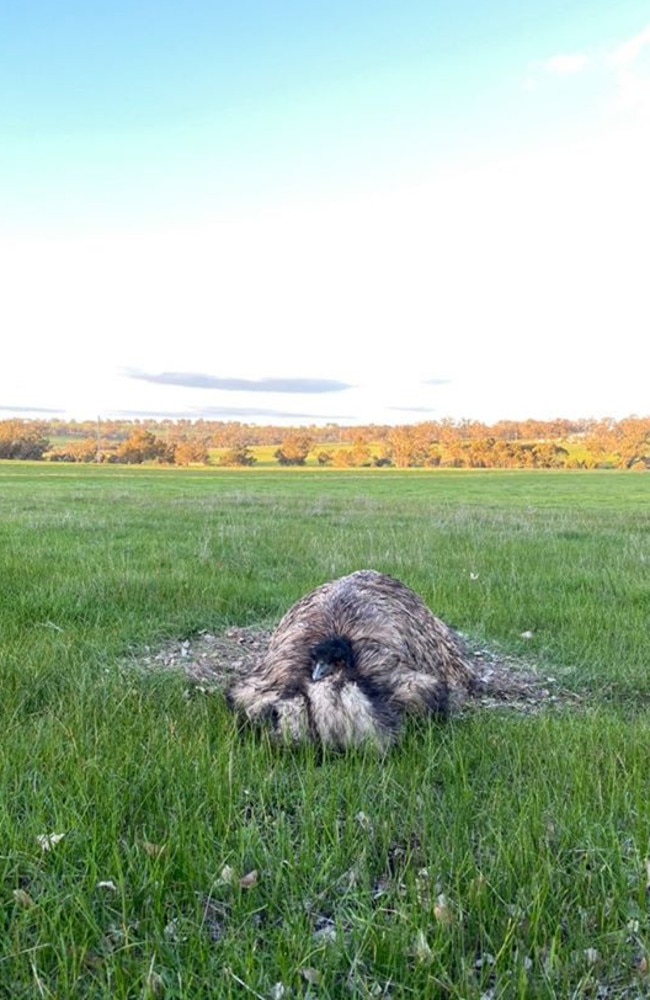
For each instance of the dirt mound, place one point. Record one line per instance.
(213, 661)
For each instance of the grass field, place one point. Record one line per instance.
(501, 855)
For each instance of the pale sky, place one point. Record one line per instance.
(298, 212)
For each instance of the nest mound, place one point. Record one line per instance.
(215, 661)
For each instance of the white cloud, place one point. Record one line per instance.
(566, 65)
(621, 69)
(628, 52)
(630, 63)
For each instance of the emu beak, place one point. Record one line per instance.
(322, 669)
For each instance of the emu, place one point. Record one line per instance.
(349, 660)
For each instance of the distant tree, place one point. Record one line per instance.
(343, 458)
(360, 452)
(547, 455)
(294, 448)
(633, 443)
(605, 443)
(143, 446)
(600, 440)
(506, 430)
(22, 439)
(523, 455)
(408, 445)
(455, 455)
(88, 450)
(480, 453)
(433, 457)
(238, 455)
(188, 452)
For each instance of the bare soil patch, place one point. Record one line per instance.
(214, 661)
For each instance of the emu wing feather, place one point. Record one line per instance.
(406, 661)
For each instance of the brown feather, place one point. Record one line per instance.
(406, 661)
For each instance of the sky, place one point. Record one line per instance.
(349, 211)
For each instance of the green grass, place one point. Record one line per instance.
(498, 856)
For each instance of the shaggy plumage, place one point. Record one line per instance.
(348, 660)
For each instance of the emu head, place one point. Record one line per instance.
(331, 656)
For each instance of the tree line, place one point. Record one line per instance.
(446, 443)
